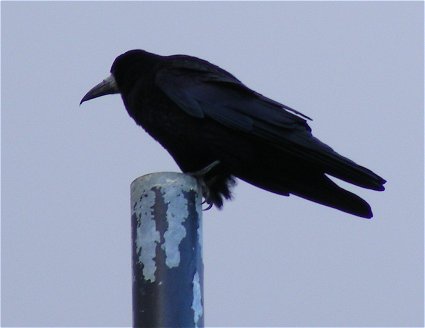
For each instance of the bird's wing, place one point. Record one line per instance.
(202, 89)
(205, 90)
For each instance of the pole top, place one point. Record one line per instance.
(164, 180)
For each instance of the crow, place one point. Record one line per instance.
(218, 129)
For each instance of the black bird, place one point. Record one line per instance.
(217, 128)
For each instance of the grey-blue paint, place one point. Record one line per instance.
(167, 254)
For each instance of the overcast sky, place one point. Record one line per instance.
(356, 68)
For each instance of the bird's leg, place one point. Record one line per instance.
(199, 175)
(205, 170)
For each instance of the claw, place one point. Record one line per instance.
(205, 194)
(208, 207)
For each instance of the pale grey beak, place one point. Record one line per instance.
(106, 87)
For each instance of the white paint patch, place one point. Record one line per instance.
(177, 214)
(147, 236)
(200, 222)
(197, 306)
(171, 186)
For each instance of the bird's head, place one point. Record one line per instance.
(125, 70)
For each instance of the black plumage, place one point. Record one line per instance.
(202, 114)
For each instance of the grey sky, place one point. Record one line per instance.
(355, 67)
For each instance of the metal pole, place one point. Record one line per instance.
(166, 233)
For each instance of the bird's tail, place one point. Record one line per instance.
(341, 167)
(323, 190)
(349, 171)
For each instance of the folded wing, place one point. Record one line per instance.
(205, 90)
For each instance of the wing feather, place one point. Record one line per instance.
(205, 90)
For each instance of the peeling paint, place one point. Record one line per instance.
(177, 213)
(199, 230)
(160, 228)
(197, 306)
(173, 192)
(147, 236)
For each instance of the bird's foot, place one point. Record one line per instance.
(210, 205)
(199, 175)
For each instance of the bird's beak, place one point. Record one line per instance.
(106, 87)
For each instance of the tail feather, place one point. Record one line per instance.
(324, 191)
(329, 161)
(349, 171)
(345, 169)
